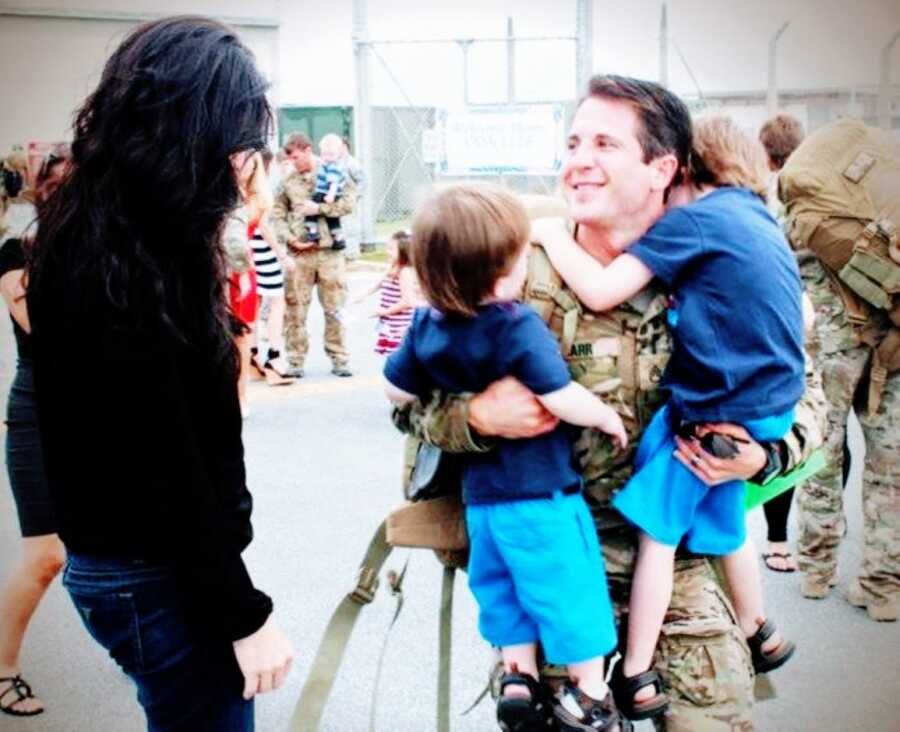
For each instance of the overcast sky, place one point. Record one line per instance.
(725, 42)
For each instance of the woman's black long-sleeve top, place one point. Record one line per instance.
(142, 443)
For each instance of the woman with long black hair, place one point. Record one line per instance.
(136, 376)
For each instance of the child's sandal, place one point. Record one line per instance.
(765, 661)
(625, 687)
(595, 715)
(523, 713)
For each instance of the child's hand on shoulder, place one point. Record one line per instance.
(550, 232)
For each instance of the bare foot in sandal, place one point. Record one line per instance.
(17, 699)
(778, 557)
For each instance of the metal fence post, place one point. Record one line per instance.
(362, 121)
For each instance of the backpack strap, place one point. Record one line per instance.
(314, 695)
(545, 292)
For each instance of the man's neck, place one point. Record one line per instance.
(606, 243)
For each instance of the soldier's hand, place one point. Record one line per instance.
(712, 470)
(508, 409)
(308, 208)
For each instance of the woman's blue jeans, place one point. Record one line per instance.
(185, 679)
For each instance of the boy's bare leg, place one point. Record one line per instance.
(745, 586)
(590, 677)
(521, 659)
(651, 593)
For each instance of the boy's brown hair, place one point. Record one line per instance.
(464, 238)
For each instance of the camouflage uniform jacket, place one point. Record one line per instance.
(235, 243)
(288, 217)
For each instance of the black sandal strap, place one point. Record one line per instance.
(18, 685)
(632, 684)
(763, 633)
(518, 679)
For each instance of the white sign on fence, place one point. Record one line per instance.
(516, 140)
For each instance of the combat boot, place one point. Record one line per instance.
(885, 612)
(816, 588)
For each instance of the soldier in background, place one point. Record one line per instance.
(616, 191)
(317, 263)
(843, 353)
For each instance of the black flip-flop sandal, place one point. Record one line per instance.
(23, 691)
(765, 661)
(625, 687)
(768, 555)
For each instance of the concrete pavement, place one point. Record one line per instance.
(323, 464)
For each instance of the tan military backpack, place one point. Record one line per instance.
(841, 190)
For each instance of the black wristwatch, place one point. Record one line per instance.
(773, 466)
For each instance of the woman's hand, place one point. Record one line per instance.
(265, 659)
(712, 470)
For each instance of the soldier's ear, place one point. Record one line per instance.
(662, 171)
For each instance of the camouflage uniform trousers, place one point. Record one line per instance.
(820, 501)
(325, 270)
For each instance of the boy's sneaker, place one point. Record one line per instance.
(529, 712)
(575, 711)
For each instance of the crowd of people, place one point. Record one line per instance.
(673, 328)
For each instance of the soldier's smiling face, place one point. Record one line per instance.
(605, 177)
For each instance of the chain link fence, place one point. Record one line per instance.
(411, 87)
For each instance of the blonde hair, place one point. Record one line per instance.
(724, 155)
(331, 142)
(464, 238)
(257, 193)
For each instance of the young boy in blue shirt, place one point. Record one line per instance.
(737, 324)
(535, 566)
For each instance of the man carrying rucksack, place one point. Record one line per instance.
(841, 189)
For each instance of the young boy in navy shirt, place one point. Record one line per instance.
(737, 324)
(535, 566)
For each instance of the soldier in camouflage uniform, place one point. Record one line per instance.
(620, 355)
(317, 264)
(843, 361)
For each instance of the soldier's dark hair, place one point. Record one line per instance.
(665, 122)
(780, 136)
(132, 236)
(464, 238)
(297, 141)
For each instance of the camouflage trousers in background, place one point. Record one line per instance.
(325, 270)
(820, 501)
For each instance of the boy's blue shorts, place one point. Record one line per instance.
(536, 570)
(669, 503)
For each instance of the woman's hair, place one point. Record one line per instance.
(404, 247)
(132, 237)
(464, 238)
(724, 155)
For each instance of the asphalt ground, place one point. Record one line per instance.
(323, 464)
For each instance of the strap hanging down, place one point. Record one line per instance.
(445, 636)
(314, 696)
